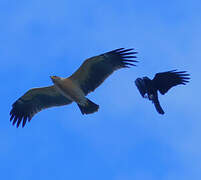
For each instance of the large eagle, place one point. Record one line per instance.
(162, 82)
(87, 78)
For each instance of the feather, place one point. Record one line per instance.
(166, 80)
(162, 82)
(87, 78)
(95, 70)
(33, 101)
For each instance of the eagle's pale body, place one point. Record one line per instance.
(70, 90)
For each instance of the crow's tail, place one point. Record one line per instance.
(158, 106)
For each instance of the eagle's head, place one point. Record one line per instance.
(55, 79)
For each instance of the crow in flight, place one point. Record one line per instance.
(162, 82)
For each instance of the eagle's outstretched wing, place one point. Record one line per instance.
(95, 70)
(166, 80)
(35, 100)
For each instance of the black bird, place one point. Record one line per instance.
(162, 82)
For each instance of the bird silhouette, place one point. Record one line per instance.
(162, 82)
(90, 75)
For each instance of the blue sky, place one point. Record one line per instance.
(126, 139)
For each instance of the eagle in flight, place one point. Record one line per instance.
(86, 79)
(162, 82)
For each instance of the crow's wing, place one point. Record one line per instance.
(166, 80)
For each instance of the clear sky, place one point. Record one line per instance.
(126, 139)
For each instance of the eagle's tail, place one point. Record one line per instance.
(89, 107)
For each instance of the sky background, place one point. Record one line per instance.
(126, 139)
